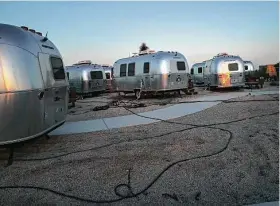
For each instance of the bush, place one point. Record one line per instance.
(143, 47)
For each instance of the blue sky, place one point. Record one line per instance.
(106, 31)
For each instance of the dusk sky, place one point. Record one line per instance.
(106, 31)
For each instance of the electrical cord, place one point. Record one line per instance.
(111, 144)
(138, 105)
(130, 193)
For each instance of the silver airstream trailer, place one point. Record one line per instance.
(87, 78)
(151, 71)
(224, 70)
(248, 66)
(197, 73)
(109, 71)
(33, 85)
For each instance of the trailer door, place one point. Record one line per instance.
(56, 91)
(147, 76)
(47, 93)
(60, 89)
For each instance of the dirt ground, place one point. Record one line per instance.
(163, 163)
(84, 109)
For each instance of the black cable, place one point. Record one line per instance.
(115, 103)
(128, 185)
(139, 139)
(198, 101)
(107, 145)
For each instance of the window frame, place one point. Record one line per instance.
(177, 63)
(98, 72)
(232, 64)
(129, 67)
(52, 68)
(144, 68)
(108, 73)
(121, 73)
(192, 71)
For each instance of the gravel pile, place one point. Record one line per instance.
(245, 173)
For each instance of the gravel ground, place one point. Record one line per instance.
(91, 165)
(84, 108)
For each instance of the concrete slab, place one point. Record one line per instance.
(171, 112)
(179, 110)
(80, 127)
(126, 121)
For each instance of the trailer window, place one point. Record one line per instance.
(96, 75)
(68, 75)
(146, 67)
(57, 67)
(233, 67)
(107, 75)
(246, 67)
(191, 70)
(131, 69)
(123, 70)
(199, 70)
(181, 66)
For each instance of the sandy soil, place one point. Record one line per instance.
(234, 167)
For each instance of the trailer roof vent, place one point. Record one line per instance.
(39, 33)
(148, 51)
(24, 27)
(83, 62)
(32, 30)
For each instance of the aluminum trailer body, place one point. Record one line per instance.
(152, 72)
(224, 71)
(248, 66)
(87, 79)
(33, 85)
(197, 73)
(109, 72)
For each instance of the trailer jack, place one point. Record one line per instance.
(47, 136)
(11, 155)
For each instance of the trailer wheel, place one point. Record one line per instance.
(138, 94)
(179, 93)
(212, 88)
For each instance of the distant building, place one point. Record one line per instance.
(269, 71)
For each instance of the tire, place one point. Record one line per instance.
(212, 88)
